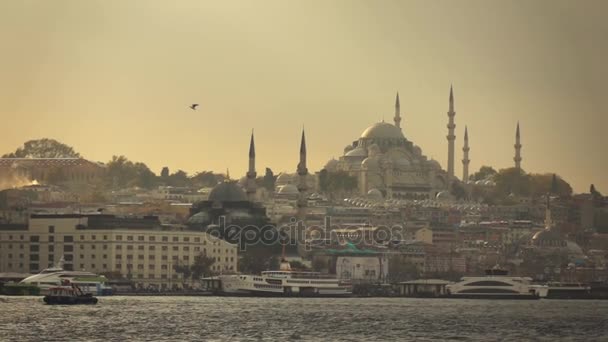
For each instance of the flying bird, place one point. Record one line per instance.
(193, 106)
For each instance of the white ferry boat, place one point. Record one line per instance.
(497, 284)
(285, 282)
(88, 282)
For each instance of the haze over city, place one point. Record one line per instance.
(117, 77)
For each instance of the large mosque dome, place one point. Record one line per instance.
(227, 192)
(382, 130)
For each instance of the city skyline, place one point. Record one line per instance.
(111, 87)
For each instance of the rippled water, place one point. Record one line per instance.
(314, 319)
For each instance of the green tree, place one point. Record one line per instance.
(179, 178)
(205, 179)
(201, 266)
(458, 191)
(483, 173)
(269, 180)
(542, 184)
(43, 148)
(164, 173)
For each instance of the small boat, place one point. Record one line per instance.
(68, 294)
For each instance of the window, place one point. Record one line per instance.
(197, 248)
(197, 239)
(186, 239)
(152, 248)
(68, 248)
(151, 267)
(164, 248)
(164, 257)
(92, 265)
(51, 229)
(175, 248)
(140, 267)
(140, 238)
(129, 238)
(141, 248)
(118, 237)
(34, 248)
(129, 256)
(33, 267)
(105, 237)
(81, 237)
(51, 258)
(81, 256)
(68, 257)
(118, 266)
(186, 249)
(105, 246)
(129, 248)
(34, 238)
(174, 257)
(118, 247)
(92, 256)
(152, 238)
(104, 266)
(118, 256)
(92, 246)
(68, 238)
(93, 237)
(81, 246)
(105, 256)
(175, 239)
(165, 238)
(140, 257)
(186, 257)
(151, 257)
(34, 257)
(163, 267)
(51, 239)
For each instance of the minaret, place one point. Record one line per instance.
(397, 117)
(451, 137)
(517, 146)
(302, 185)
(251, 174)
(465, 157)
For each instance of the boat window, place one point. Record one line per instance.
(488, 290)
(488, 283)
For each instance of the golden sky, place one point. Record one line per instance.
(116, 77)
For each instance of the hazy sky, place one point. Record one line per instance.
(116, 77)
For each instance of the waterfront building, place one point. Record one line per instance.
(139, 248)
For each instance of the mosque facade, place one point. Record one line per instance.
(385, 161)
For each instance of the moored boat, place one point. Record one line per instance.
(496, 284)
(68, 294)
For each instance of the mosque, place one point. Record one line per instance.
(386, 163)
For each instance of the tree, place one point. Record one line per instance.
(458, 191)
(512, 180)
(43, 148)
(164, 173)
(483, 173)
(179, 178)
(269, 180)
(205, 179)
(184, 270)
(542, 184)
(201, 266)
(340, 181)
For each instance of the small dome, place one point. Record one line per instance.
(288, 189)
(444, 196)
(348, 148)
(369, 163)
(331, 165)
(284, 178)
(358, 152)
(375, 194)
(199, 218)
(382, 130)
(548, 238)
(417, 150)
(402, 162)
(227, 192)
(434, 164)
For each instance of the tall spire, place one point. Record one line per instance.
(397, 117)
(250, 185)
(465, 159)
(517, 146)
(302, 152)
(302, 201)
(451, 137)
